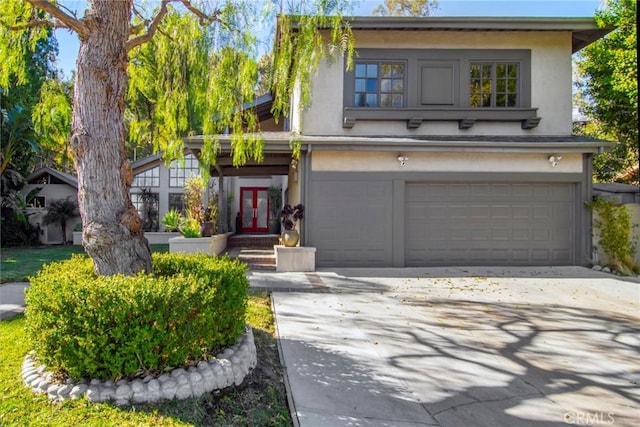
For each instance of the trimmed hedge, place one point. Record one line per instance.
(109, 327)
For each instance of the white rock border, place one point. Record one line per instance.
(227, 368)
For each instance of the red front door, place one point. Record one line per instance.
(254, 209)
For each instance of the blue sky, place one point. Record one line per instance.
(68, 42)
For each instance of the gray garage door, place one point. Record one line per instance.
(489, 224)
(351, 223)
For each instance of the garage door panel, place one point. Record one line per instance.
(481, 223)
(357, 231)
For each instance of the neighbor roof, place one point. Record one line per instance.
(64, 177)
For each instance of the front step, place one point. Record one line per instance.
(258, 259)
(253, 241)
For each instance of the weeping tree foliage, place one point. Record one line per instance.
(52, 123)
(609, 90)
(406, 8)
(203, 86)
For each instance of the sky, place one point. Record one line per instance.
(68, 43)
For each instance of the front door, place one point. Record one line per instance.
(254, 209)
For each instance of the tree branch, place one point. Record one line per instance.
(153, 27)
(155, 22)
(204, 18)
(64, 18)
(37, 22)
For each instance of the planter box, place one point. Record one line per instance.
(212, 245)
(299, 258)
(154, 237)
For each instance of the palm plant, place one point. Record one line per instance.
(60, 211)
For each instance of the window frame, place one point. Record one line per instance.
(459, 109)
(379, 92)
(155, 175)
(180, 167)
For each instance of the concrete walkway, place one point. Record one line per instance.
(463, 347)
(453, 346)
(12, 299)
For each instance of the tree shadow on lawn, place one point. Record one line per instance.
(472, 363)
(259, 400)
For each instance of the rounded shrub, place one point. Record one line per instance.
(108, 327)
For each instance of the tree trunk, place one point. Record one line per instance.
(111, 227)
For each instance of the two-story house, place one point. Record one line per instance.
(449, 143)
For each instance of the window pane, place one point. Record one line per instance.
(386, 70)
(176, 201)
(385, 85)
(501, 70)
(360, 84)
(500, 100)
(475, 71)
(513, 85)
(385, 100)
(361, 70)
(372, 70)
(513, 70)
(398, 85)
(372, 85)
(398, 71)
(486, 100)
(512, 100)
(500, 85)
(360, 100)
(372, 100)
(398, 100)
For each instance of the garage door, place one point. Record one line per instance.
(351, 223)
(489, 224)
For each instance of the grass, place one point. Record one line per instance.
(16, 264)
(259, 401)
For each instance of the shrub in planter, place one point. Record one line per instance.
(108, 327)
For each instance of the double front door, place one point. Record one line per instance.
(254, 209)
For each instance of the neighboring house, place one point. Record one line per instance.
(53, 185)
(449, 143)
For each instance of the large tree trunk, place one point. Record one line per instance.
(112, 230)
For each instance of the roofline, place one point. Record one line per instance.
(65, 177)
(280, 142)
(584, 30)
(473, 23)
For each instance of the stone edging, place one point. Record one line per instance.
(227, 368)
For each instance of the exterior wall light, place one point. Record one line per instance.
(402, 159)
(554, 159)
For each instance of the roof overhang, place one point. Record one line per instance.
(584, 31)
(279, 143)
(64, 177)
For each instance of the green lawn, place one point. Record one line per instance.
(16, 264)
(260, 401)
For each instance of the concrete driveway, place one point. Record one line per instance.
(462, 347)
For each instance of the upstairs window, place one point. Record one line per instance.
(379, 84)
(493, 85)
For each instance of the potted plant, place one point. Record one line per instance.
(290, 216)
(172, 220)
(275, 201)
(206, 223)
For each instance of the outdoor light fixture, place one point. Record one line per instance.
(402, 159)
(554, 159)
